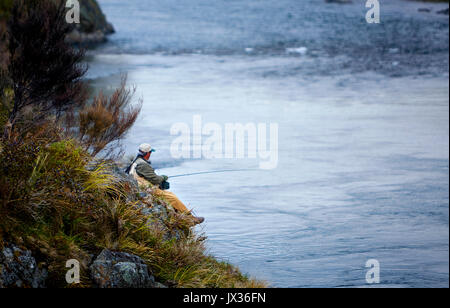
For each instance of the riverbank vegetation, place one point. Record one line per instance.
(60, 193)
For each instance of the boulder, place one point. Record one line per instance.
(158, 214)
(93, 26)
(121, 270)
(92, 18)
(128, 182)
(18, 269)
(443, 12)
(424, 10)
(77, 37)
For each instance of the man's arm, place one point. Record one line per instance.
(147, 172)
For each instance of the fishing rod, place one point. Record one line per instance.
(213, 171)
(165, 185)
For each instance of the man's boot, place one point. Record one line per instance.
(198, 220)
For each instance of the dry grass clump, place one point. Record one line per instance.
(107, 119)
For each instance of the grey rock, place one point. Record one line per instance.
(121, 270)
(443, 12)
(18, 269)
(126, 181)
(77, 37)
(424, 10)
(157, 211)
(109, 28)
(93, 26)
(158, 214)
(143, 195)
(160, 285)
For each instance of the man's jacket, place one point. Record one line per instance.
(145, 170)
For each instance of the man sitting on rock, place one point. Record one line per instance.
(144, 173)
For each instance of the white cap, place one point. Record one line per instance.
(145, 148)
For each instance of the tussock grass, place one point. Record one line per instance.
(56, 201)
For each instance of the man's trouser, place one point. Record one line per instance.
(171, 198)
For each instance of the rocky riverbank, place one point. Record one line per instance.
(93, 27)
(109, 269)
(149, 245)
(67, 217)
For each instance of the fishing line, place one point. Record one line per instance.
(213, 171)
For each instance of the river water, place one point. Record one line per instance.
(363, 130)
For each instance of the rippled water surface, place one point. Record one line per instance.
(363, 115)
